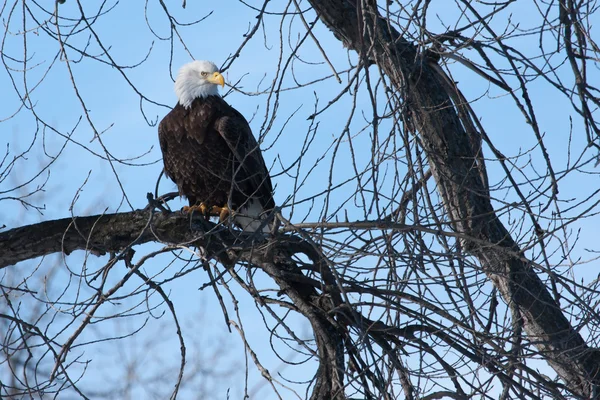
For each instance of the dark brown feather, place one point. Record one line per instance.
(210, 153)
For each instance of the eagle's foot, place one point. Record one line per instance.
(200, 207)
(222, 212)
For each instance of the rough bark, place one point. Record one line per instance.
(462, 187)
(98, 234)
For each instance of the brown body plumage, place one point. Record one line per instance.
(210, 153)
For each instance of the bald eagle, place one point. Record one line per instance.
(210, 153)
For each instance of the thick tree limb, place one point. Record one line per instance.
(466, 199)
(98, 233)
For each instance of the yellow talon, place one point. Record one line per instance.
(214, 211)
(221, 212)
(224, 213)
(201, 208)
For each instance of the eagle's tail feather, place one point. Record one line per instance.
(250, 217)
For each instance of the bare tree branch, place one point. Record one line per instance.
(451, 155)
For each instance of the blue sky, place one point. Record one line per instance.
(114, 109)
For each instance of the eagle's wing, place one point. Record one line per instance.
(180, 135)
(251, 173)
(169, 137)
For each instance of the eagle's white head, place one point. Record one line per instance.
(197, 79)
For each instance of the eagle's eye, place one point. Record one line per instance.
(203, 73)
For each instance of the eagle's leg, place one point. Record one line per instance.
(222, 212)
(200, 207)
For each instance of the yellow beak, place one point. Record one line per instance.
(217, 79)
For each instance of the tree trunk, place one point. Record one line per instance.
(463, 188)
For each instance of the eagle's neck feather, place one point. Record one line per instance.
(189, 88)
